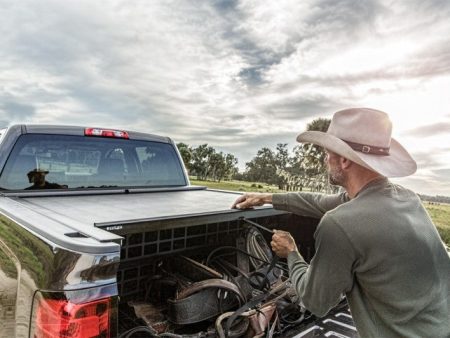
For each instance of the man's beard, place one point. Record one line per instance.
(336, 176)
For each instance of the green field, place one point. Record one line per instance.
(237, 186)
(439, 213)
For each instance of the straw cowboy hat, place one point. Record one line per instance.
(363, 135)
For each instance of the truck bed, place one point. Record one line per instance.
(82, 222)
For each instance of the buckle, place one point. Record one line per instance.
(365, 149)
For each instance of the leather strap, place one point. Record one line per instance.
(261, 298)
(266, 276)
(247, 306)
(368, 149)
(210, 283)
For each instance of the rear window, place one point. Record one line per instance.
(65, 162)
(2, 132)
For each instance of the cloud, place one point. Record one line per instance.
(208, 59)
(238, 75)
(442, 173)
(433, 173)
(429, 130)
(430, 159)
(16, 110)
(304, 106)
(429, 184)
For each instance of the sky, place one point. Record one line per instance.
(238, 75)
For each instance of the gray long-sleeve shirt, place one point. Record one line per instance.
(382, 250)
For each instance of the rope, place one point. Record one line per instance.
(257, 247)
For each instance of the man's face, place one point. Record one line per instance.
(336, 175)
(38, 178)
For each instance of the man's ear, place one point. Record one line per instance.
(345, 163)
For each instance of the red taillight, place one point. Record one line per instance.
(106, 133)
(64, 319)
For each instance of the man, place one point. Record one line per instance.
(375, 242)
(37, 177)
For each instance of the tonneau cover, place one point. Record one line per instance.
(123, 208)
(55, 217)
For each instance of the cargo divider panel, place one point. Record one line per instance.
(141, 251)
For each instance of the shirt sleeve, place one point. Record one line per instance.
(308, 204)
(320, 285)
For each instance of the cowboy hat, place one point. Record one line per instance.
(38, 171)
(363, 135)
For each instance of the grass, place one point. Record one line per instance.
(237, 186)
(33, 254)
(440, 213)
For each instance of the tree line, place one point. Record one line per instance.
(302, 168)
(435, 199)
(205, 162)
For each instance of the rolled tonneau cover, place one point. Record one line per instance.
(60, 217)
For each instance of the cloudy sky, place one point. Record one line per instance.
(238, 75)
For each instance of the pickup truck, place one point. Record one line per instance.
(101, 232)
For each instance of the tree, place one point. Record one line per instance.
(230, 166)
(186, 154)
(207, 163)
(310, 159)
(282, 155)
(200, 161)
(216, 164)
(281, 163)
(222, 166)
(306, 168)
(262, 168)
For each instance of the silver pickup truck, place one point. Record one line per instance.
(102, 235)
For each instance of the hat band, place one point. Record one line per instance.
(367, 149)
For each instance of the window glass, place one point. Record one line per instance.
(41, 161)
(2, 133)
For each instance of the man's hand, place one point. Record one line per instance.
(283, 243)
(253, 199)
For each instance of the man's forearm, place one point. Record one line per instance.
(250, 200)
(306, 203)
(267, 198)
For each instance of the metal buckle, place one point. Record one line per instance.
(365, 149)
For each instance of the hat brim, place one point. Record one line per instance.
(38, 171)
(398, 163)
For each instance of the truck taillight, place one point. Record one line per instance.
(61, 318)
(60, 315)
(106, 133)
